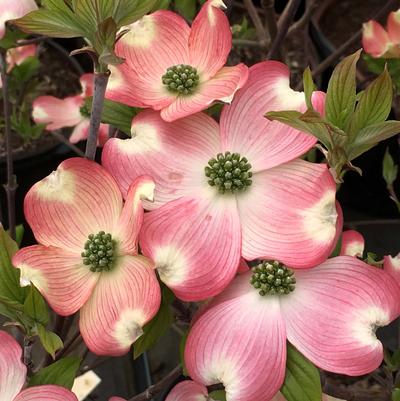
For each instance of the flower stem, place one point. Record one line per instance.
(11, 185)
(100, 86)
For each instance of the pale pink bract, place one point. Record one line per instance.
(79, 199)
(195, 235)
(163, 40)
(353, 243)
(239, 339)
(379, 42)
(59, 113)
(13, 376)
(12, 9)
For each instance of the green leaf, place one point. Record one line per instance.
(36, 307)
(60, 373)
(309, 86)
(218, 395)
(390, 169)
(187, 8)
(26, 70)
(19, 233)
(50, 341)
(374, 104)
(117, 114)
(157, 327)
(9, 276)
(294, 120)
(302, 381)
(182, 346)
(129, 11)
(341, 94)
(396, 394)
(370, 136)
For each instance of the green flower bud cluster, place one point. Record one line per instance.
(99, 252)
(229, 172)
(182, 79)
(272, 278)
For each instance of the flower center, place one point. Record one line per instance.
(182, 79)
(229, 172)
(272, 278)
(99, 253)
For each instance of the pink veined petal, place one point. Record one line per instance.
(78, 199)
(59, 275)
(87, 84)
(188, 390)
(244, 128)
(18, 55)
(174, 154)
(123, 301)
(12, 370)
(243, 266)
(11, 9)
(334, 311)
(289, 214)
(391, 265)
(126, 231)
(153, 44)
(210, 39)
(81, 131)
(116, 399)
(393, 26)
(352, 243)
(46, 393)
(222, 87)
(375, 39)
(239, 341)
(57, 113)
(195, 245)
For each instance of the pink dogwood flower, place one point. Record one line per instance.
(391, 264)
(13, 377)
(228, 191)
(174, 68)
(379, 42)
(191, 391)
(353, 243)
(88, 258)
(12, 9)
(329, 313)
(69, 112)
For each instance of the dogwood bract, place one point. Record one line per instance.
(329, 313)
(88, 259)
(12, 9)
(190, 391)
(379, 42)
(353, 243)
(13, 377)
(69, 112)
(174, 68)
(229, 190)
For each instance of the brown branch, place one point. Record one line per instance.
(155, 389)
(311, 6)
(258, 24)
(283, 27)
(61, 138)
(270, 18)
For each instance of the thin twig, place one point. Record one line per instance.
(157, 388)
(100, 86)
(27, 355)
(270, 18)
(258, 24)
(26, 42)
(70, 345)
(66, 142)
(311, 6)
(283, 27)
(78, 68)
(11, 185)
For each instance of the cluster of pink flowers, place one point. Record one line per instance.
(217, 195)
